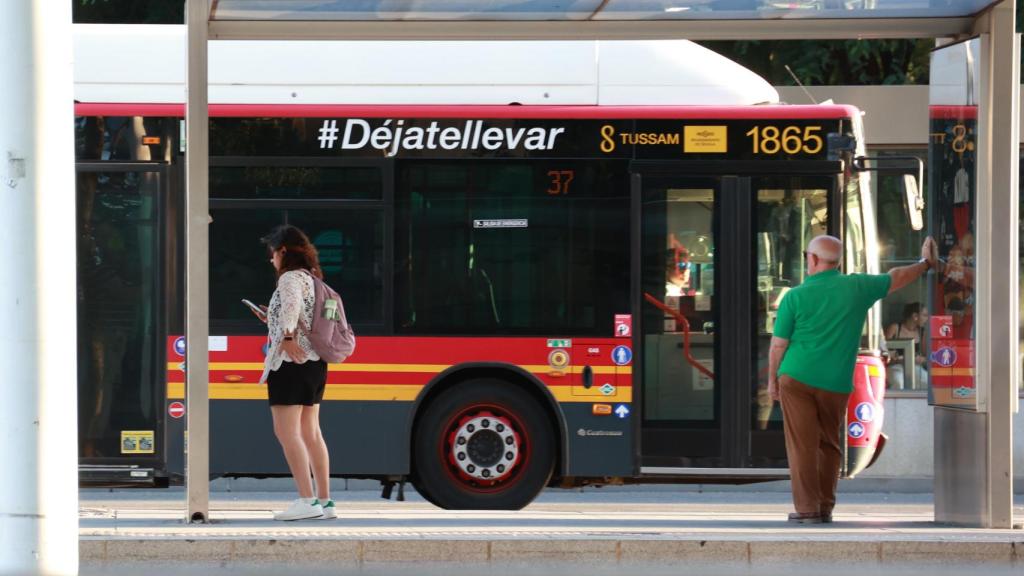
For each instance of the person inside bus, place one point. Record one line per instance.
(677, 273)
(910, 326)
(811, 360)
(679, 292)
(296, 377)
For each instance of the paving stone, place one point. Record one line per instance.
(432, 551)
(575, 551)
(815, 552)
(299, 551)
(169, 550)
(672, 551)
(949, 552)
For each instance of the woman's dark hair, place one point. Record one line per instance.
(909, 309)
(299, 251)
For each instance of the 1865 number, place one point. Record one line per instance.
(789, 140)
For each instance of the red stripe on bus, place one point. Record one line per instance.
(425, 350)
(952, 112)
(763, 112)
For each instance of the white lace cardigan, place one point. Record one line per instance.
(293, 297)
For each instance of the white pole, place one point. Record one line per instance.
(1003, 125)
(197, 268)
(38, 421)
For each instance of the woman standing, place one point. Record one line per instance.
(295, 375)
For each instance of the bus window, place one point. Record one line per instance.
(299, 182)
(788, 213)
(349, 242)
(346, 226)
(511, 247)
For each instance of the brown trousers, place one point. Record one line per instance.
(812, 418)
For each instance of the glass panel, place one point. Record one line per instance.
(511, 247)
(903, 314)
(126, 138)
(118, 309)
(679, 270)
(586, 9)
(309, 182)
(350, 243)
(788, 213)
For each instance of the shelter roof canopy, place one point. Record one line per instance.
(583, 10)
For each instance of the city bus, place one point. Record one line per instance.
(571, 293)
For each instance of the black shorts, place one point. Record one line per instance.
(293, 384)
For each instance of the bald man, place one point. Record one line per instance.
(811, 361)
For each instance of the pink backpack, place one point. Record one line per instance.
(331, 335)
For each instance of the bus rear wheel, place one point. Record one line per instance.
(483, 445)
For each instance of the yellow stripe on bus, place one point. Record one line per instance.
(370, 392)
(937, 371)
(427, 368)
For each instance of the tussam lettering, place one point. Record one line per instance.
(392, 136)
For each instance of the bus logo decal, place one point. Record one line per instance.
(705, 139)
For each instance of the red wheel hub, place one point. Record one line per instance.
(484, 448)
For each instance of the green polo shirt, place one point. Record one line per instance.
(823, 319)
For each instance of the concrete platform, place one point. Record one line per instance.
(571, 528)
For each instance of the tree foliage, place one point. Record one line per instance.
(833, 62)
(837, 62)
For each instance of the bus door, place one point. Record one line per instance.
(120, 321)
(713, 257)
(680, 307)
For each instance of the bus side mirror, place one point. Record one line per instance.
(913, 201)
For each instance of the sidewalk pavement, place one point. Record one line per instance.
(570, 527)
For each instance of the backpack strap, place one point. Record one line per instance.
(309, 329)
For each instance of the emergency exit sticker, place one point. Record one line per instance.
(623, 325)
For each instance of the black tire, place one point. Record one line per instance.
(467, 419)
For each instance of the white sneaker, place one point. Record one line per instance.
(300, 510)
(329, 512)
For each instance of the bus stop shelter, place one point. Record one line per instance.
(973, 448)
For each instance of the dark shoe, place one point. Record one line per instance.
(805, 517)
(826, 517)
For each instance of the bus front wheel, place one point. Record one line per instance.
(483, 445)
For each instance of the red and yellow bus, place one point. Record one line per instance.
(512, 287)
(543, 295)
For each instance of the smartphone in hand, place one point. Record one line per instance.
(259, 312)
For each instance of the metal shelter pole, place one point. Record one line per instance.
(1003, 134)
(38, 417)
(197, 267)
